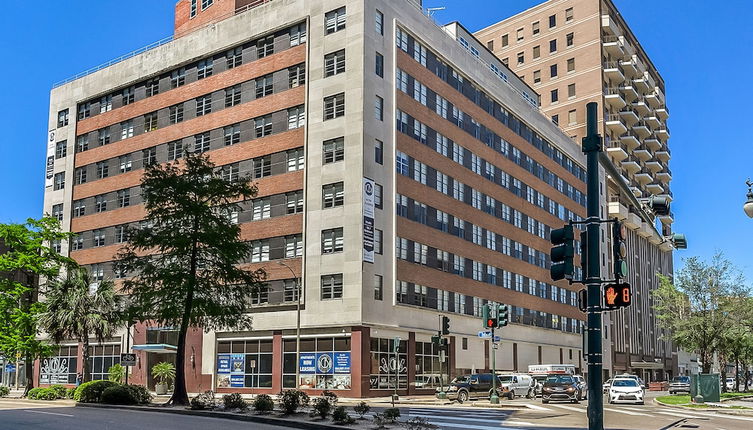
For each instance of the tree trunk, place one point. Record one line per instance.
(29, 372)
(706, 367)
(737, 372)
(85, 371)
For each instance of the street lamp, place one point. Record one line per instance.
(297, 323)
(748, 206)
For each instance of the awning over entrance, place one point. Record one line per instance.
(161, 348)
(646, 365)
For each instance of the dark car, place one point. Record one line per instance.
(560, 387)
(679, 384)
(478, 385)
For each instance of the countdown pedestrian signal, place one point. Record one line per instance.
(617, 296)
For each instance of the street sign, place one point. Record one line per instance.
(617, 296)
(497, 338)
(484, 334)
(127, 359)
(9, 368)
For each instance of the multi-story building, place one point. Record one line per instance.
(404, 173)
(577, 51)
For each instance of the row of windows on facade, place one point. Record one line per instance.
(536, 50)
(417, 130)
(554, 72)
(535, 29)
(204, 68)
(470, 91)
(408, 293)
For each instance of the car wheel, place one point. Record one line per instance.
(462, 396)
(529, 394)
(544, 401)
(575, 400)
(511, 395)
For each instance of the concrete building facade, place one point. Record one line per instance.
(577, 51)
(404, 173)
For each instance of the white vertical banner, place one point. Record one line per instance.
(50, 160)
(368, 220)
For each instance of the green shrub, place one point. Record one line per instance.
(69, 393)
(42, 394)
(234, 401)
(340, 416)
(331, 396)
(322, 407)
(391, 414)
(140, 394)
(362, 409)
(91, 392)
(59, 390)
(291, 400)
(204, 400)
(116, 373)
(4, 391)
(263, 403)
(117, 395)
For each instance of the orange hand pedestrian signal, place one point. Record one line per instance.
(617, 296)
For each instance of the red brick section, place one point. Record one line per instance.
(228, 78)
(184, 24)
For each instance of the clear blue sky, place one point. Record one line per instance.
(701, 51)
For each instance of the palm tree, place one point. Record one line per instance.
(78, 307)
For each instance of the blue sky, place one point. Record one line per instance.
(701, 51)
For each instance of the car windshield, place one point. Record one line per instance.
(624, 383)
(559, 380)
(683, 379)
(507, 378)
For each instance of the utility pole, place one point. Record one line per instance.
(592, 146)
(494, 397)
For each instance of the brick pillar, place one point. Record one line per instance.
(139, 371)
(80, 360)
(277, 354)
(360, 361)
(411, 362)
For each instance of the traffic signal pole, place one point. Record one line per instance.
(592, 147)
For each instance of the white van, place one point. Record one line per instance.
(517, 384)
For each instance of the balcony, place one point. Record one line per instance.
(660, 95)
(645, 230)
(614, 45)
(610, 26)
(644, 176)
(614, 98)
(613, 73)
(664, 175)
(642, 154)
(615, 124)
(667, 219)
(642, 84)
(655, 239)
(636, 191)
(652, 143)
(633, 221)
(653, 100)
(630, 141)
(654, 165)
(629, 116)
(663, 154)
(630, 164)
(662, 133)
(630, 93)
(617, 150)
(652, 121)
(655, 188)
(618, 210)
(641, 130)
(662, 113)
(640, 107)
(630, 67)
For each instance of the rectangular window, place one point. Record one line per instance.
(265, 47)
(379, 65)
(201, 143)
(552, 21)
(521, 58)
(103, 170)
(63, 118)
(333, 195)
(79, 176)
(379, 108)
(378, 241)
(334, 106)
(570, 39)
(150, 122)
(194, 4)
(262, 166)
(79, 208)
(334, 21)
(126, 129)
(57, 212)
(568, 14)
(334, 63)
(297, 34)
(261, 209)
(553, 45)
(333, 150)
(378, 287)
(128, 95)
(553, 71)
(332, 286)
(571, 64)
(379, 151)
(204, 105)
(259, 251)
(378, 189)
(536, 52)
(264, 86)
(293, 246)
(99, 238)
(490, 45)
(84, 110)
(379, 23)
(149, 156)
(234, 57)
(178, 77)
(205, 68)
(295, 159)
(290, 290)
(232, 134)
(174, 150)
(536, 76)
(124, 198)
(233, 96)
(296, 76)
(104, 136)
(294, 202)
(571, 118)
(176, 113)
(332, 240)
(571, 90)
(519, 34)
(61, 149)
(152, 87)
(505, 40)
(231, 172)
(263, 126)
(105, 103)
(535, 28)
(555, 95)
(59, 181)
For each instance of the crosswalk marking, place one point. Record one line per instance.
(443, 424)
(570, 408)
(48, 413)
(445, 417)
(627, 412)
(537, 407)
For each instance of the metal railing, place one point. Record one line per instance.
(612, 65)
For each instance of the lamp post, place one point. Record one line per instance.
(748, 206)
(297, 324)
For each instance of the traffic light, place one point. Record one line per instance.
(619, 236)
(436, 340)
(617, 296)
(562, 253)
(503, 315)
(584, 253)
(445, 325)
(583, 300)
(660, 205)
(487, 319)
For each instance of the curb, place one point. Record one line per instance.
(223, 415)
(726, 411)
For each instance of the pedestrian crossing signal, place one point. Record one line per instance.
(617, 296)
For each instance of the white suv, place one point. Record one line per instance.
(625, 390)
(517, 384)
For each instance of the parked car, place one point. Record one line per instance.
(560, 387)
(517, 384)
(625, 390)
(428, 381)
(636, 377)
(605, 386)
(582, 386)
(679, 384)
(730, 384)
(478, 385)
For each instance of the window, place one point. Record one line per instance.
(535, 28)
(263, 126)
(333, 195)
(334, 21)
(296, 117)
(264, 86)
(124, 198)
(80, 176)
(490, 45)
(571, 90)
(556, 119)
(232, 134)
(521, 58)
(378, 287)
(297, 34)
(290, 290)
(553, 71)
(553, 45)
(334, 106)
(234, 57)
(84, 110)
(176, 113)
(150, 122)
(379, 108)
(555, 95)
(378, 241)
(63, 118)
(152, 87)
(231, 172)
(379, 22)
(295, 159)
(265, 47)
(378, 189)
(379, 65)
(332, 286)
(105, 103)
(332, 240)
(568, 14)
(61, 367)
(536, 76)
(61, 149)
(82, 143)
(296, 76)
(571, 119)
(99, 238)
(204, 69)
(552, 21)
(519, 34)
(259, 251)
(174, 150)
(233, 96)
(103, 170)
(57, 212)
(570, 39)
(178, 77)
(262, 166)
(59, 181)
(149, 156)
(505, 40)
(204, 105)
(571, 64)
(261, 209)
(333, 150)
(104, 136)
(293, 247)
(126, 129)
(193, 7)
(536, 52)
(294, 202)
(379, 151)
(334, 63)
(126, 164)
(79, 208)
(505, 61)
(128, 95)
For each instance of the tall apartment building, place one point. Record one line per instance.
(403, 171)
(577, 51)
